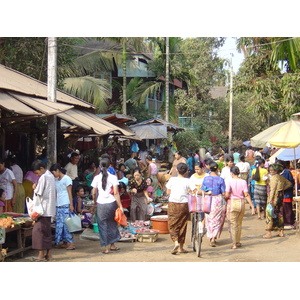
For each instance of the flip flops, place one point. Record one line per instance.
(175, 249)
(114, 249)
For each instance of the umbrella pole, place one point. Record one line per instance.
(296, 187)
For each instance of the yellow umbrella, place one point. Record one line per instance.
(282, 135)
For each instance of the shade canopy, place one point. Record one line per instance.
(150, 131)
(282, 135)
(286, 154)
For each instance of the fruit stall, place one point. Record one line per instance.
(15, 233)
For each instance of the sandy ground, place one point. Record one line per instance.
(254, 248)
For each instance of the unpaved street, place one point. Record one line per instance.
(254, 248)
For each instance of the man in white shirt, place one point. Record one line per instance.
(244, 168)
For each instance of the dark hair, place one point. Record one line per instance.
(150, 179)
(199, 164)
(58, 167)
(74, 154)
(283, 163)
(37, 164)
(78, 188)
(120, 165)
(182, 168)
(2, 161)
(137, 170)
(104, 164)
(192, 155)
(122, 185)
(149, 157)
(213, 166)
(207, 161)
(235, 170)
(179, 153)
(242, 158)
(228, 159)
(256, 176)
(1, 192)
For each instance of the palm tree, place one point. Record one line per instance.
(286, 51)
(94, 89)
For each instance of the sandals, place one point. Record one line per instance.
(114, 249)
(267, 236)
(70, 248)
(175, 249)
(40, 259)
(183, 251)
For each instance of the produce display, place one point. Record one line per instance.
(6, 221)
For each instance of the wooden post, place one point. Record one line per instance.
(51, 81)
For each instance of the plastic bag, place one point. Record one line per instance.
(134, 147)
(34, 207)
(120, 217)
(270, 211)
(73, 222)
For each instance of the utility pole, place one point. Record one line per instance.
(167, 79)
(230, 106)
(51, 84)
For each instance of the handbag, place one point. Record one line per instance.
(73, 222)
(194, 203)
(206, 203)
(34, 207)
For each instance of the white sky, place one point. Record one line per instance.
(228, 48)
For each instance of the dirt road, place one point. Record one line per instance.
(254, 248)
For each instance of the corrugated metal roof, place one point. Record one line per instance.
(15, 81)
(90, 121)
(29, 106)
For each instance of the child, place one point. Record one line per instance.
(79, 207)
(150, 187)
(2, 199)
(124, 197)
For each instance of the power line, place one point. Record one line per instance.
(174, 53)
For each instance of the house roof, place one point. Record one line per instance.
(170, 126)
(106, 44)
(218, 92)
(13, 80)
(116, 118)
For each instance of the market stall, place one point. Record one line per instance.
(15, 233)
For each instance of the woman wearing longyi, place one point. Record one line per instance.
(236, 193)
(178, 211)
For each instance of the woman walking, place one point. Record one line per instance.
(277, 186)
(214, 185)
(64, 204)
(236, 193)
(106, 196)
(41, 232)
(139, 197)
(178, 211)
(259, 174)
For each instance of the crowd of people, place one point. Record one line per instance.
(231, 179)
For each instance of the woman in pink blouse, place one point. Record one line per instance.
(236, 191)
